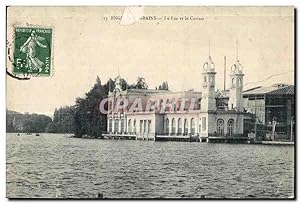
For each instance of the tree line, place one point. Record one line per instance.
(18, 122)
(82, 119)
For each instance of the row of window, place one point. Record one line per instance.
(221, 126)
(130, 129)
(180, 129)
(184, 129)
(145, 126)
(211, 79)
(116, 125)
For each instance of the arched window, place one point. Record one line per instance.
(141, 126)
(230, 127)
(204, 123)
(129, 126)
(167, 128)
(110, 125)
(149, 126)
(145, 126)
(173, 126)
(220, 127)
(122, 125)
(240, 82)
(185, 126)
(179, 126)
(116, 125)
(134, 126)
(205, 66)
(192, 126)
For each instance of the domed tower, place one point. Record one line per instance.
(236, 88)
(208, 101)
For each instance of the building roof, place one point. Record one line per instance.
(289, 90)
(276, 89)
(147, 91)
(155, 91)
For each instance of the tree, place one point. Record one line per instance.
(18, 122)
(84, 118)
(63, 120)
(110, 85)
(163, 86)
(141, 83)
(88, 119)
(51, 128)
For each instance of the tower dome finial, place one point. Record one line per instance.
(209, 65)
(237, 68)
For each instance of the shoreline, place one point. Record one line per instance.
(69, 135)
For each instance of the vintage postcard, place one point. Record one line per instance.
(150, 102)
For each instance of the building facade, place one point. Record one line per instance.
(273, 104)
(151, 114)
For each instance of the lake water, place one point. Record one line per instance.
(55, 166)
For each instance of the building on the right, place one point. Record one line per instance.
(274, 108)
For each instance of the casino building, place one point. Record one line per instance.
(203, 117)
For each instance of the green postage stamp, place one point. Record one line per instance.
(32, 51)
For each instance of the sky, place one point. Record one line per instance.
(86, 45)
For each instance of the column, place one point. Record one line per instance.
(119, 124)
(124, 125)
(170, 122)
(145, 126)
(134, 126)
(113, 125)
(196, 125)
(149, 126)
(182, 126)
(108, 124)
(141, 126)
(127, 126)
(189, 125)
(176, 126)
